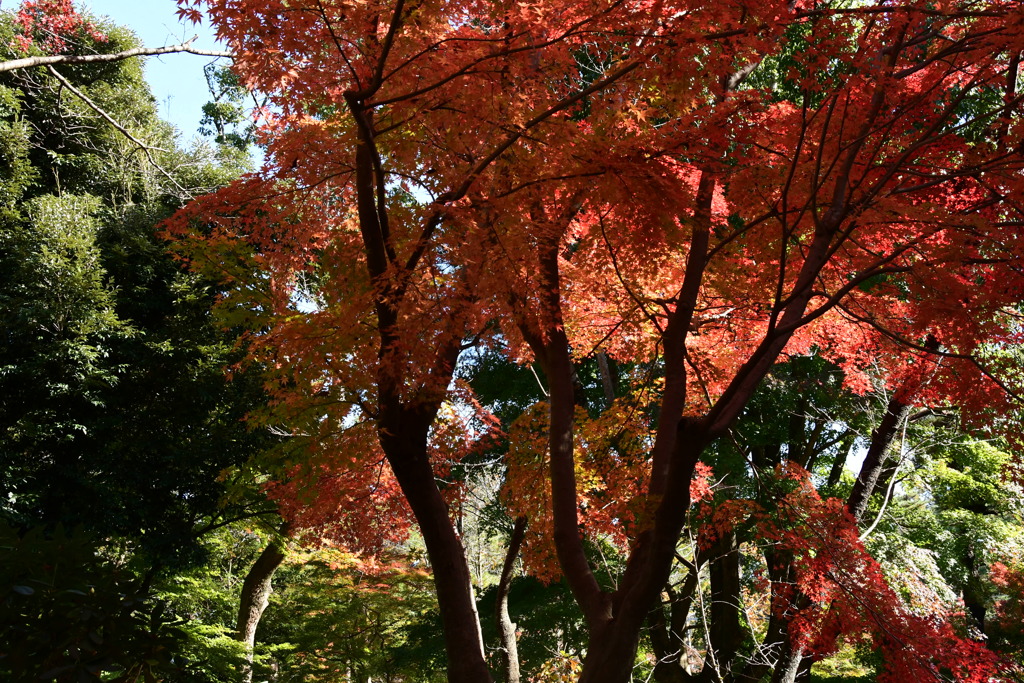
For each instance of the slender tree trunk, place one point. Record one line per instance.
(896, 412)
(842, 455)
(792, 664)
(667, 648)
(507, 629)
(668, 637)
(403, 421)
(607, 379)
(796, 432)
(973, 597)
(256, 589)
(774, 647)
(874, 462)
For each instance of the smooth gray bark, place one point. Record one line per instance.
(256, 590)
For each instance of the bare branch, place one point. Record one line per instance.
(47, 60)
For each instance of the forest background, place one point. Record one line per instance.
(184, 500)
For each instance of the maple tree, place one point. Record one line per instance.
(696, 191)
(49, 24)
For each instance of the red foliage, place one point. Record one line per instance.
(1009, 580)
(843, 595)
(50, 24)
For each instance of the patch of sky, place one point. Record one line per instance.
(177, 80)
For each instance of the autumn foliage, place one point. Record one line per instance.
(696, 190)
(845, 596)
(50, 24)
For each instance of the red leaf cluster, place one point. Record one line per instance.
(841, 595)
(50, 24)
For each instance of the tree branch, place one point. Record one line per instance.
(47, 60)
(146, 149)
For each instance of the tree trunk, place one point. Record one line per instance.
(796, 441)
(842, 455)
(403, 421)
(403, 436)
(668, 649)
(607, 379)
(507, 629)
(613, 642)
(668, 637)
(255, 597)
(615, 621)
(896, 412)
(972, 594)
(772, 648)
(725, 631)
(874, 461)
(789, 665)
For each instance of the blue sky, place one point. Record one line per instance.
(176, 79)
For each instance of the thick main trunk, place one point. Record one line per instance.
(679, 443)
(612, 647)
(610, 655)
(404, 441)
(789, 666)
(256, 589)
(506, 628)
